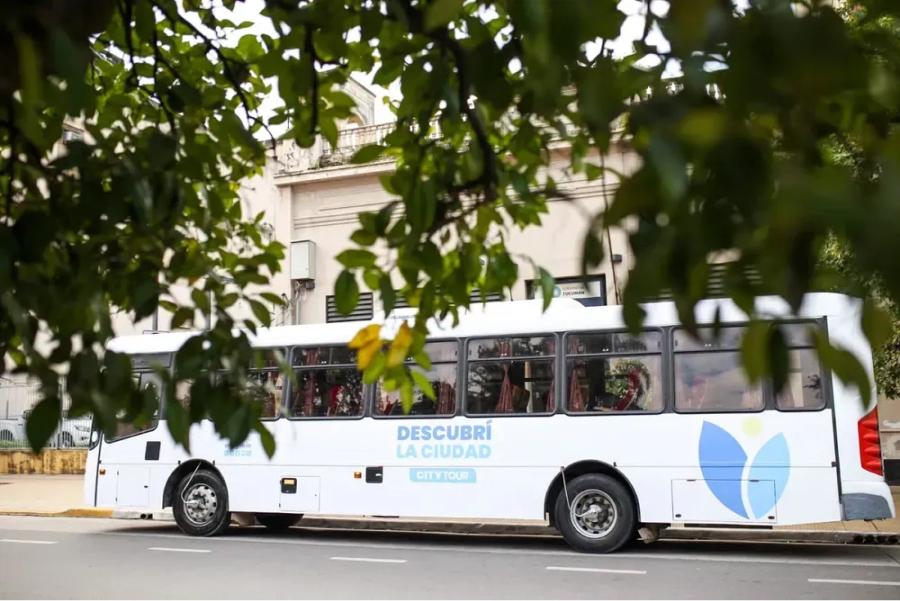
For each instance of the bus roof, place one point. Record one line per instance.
(503, 318)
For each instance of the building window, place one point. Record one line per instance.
(589, 290)
(442, 376)
(474, 299)
(614, 373)
(328, 383)
(71, 135)
(511, 376)
(362, 312)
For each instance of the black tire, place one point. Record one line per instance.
(616, 506)
(6, 436)
(207, 489)
(66, 441)
(278, 522)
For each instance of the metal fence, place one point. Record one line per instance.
(17, 398)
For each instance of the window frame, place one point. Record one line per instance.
(664, 374)
(766, 389)
(289, 388)
(460, 347)
(554, 362)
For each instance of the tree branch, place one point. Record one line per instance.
(11, 167)
(226, 64)
(442, 37)
(125, 11)
(310, 47)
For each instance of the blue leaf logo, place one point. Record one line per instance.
(722, 462)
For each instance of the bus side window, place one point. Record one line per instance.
(328, 383)
(803, 389)
(442, 376)
(267, 387)
(614, 372)
(511, 375)
(714, 381)
(145, 381)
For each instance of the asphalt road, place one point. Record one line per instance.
(93, 558)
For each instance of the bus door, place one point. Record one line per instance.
(125, 459)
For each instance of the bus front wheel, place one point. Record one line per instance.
(201, 504)
(278, 522)
(595, 513)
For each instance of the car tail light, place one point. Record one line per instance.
(870, 443)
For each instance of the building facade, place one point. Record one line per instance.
(324, 193)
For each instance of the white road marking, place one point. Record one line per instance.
(28, 542)
(870, 582)
(650, 555)
(600, 570)
(178, 550)
(369, 559)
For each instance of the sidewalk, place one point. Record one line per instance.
(62, 496)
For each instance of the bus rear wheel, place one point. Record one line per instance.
(278, 522)
(201, 504)
(597, 516)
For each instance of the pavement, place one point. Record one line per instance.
(61, 496)
(103, 558)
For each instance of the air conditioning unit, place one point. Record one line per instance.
(303, 260)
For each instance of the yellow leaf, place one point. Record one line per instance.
(365, 336)
(365, 355)
(400, 346)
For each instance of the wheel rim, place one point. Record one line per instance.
(200, 504)
(593, 513)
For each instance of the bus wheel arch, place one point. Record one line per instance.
(579, 468)
(180, 472)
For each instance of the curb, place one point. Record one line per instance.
(78, 512)
(500, 529)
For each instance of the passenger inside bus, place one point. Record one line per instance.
(614, 384)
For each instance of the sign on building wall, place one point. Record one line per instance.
(591, 289)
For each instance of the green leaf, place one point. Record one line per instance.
(355, 257)
(548, 286)
(273, 298)
(406, 395)
(201, 299)
(779, 360)
(388, 294)
(266, 439)
(179, 422)
(844, 364)
(182, 316)
(42, 422)
(423, 384)
(441, 12)
(753, 349)
(367, 154)
(364, 238)
(261, 312)
(876, 324)
(346, 292)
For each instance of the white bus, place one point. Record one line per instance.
(560, 415)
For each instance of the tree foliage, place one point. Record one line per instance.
(733, 114)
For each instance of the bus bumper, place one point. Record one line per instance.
(867, 501)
